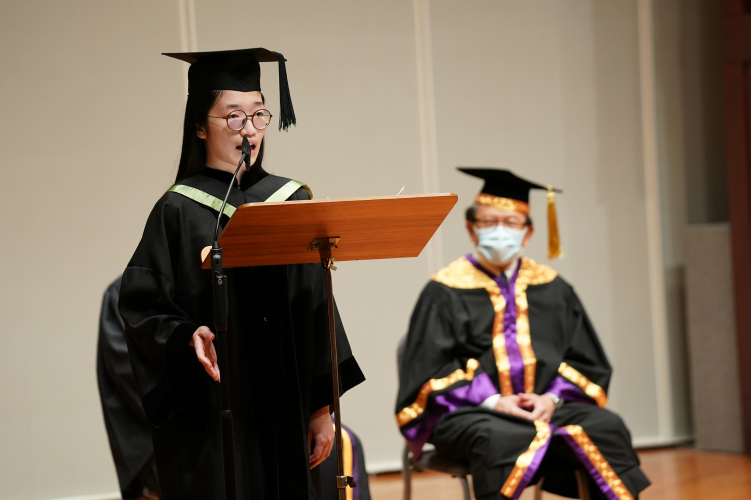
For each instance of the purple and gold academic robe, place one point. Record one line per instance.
(473, 335)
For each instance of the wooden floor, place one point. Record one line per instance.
(676, 474)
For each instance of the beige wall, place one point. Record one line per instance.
(90, 118)
(550, 90)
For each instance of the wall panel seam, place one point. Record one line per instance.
(188, 38)
(663, 382)
(428, 138)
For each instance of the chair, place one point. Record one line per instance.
(432, 460)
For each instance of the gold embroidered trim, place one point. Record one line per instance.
(347, 459)
(534, 273)
(591, 389)
(462, 274)
(530, 273)
(602, 465)
(502, 363)
(525, 459)
(502, 203)
(414, 410)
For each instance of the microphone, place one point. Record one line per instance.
(244, 157)
(221, 305)
(246, 152)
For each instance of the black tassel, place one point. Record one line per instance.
(285, 100)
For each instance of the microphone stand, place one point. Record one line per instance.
(221, 310)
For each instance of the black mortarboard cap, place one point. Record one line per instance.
(505, 190)
(504, 183)
(237, 70)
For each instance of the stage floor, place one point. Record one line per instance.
(676, 474)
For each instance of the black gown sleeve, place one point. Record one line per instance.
(436, 349)
(584, 352)
(428, 350)
(350, 374)
(159, 330)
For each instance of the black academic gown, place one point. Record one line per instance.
(128, 429)
(279, 360)
(451, 364)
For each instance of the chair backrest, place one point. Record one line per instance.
(400, 356)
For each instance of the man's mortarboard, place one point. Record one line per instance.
(237, 70)
(505, 190)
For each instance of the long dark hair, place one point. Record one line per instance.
(193, 153)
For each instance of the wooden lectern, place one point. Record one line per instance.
(298, 232)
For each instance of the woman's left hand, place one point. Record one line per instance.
(321, 430)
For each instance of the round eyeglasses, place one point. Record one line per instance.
(237, 120)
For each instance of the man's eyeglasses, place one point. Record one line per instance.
(511, 223)
(237, 120)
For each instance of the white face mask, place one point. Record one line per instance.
(500, 244)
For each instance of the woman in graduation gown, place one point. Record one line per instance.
(279, 364)
(504, 369)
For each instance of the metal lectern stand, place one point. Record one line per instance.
(324, 246)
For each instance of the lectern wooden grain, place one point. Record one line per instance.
(297, 232)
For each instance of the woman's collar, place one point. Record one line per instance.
(219, 175)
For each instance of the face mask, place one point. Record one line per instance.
(500, 244)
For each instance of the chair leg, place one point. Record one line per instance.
(465, 487)
(538, 489)
(407, 473)
(583, 483)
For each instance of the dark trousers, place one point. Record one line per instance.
(492, 442)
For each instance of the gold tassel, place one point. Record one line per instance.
(554, 242)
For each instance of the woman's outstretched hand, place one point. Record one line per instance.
(321, 430)
(205, 352)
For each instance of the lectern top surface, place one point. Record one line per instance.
(384, 227)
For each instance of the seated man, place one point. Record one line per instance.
(502, 367)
